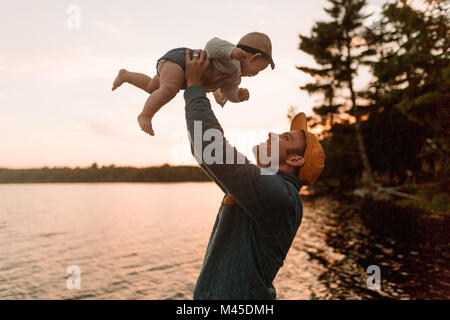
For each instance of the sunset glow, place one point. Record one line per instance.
(56, 103)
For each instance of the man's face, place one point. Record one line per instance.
(288, 143)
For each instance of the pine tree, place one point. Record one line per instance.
(412, 67)
(339, 48)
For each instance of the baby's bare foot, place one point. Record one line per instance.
(145, 122)
(119, 79)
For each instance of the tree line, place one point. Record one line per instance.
(94, 173)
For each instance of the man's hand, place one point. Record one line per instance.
(243, 94)
(198, 72)
(238, 54)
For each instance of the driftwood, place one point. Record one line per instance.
(378, 191)
(398, 193)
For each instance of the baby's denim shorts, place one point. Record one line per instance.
(177, 55)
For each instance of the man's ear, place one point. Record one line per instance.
(295, 160)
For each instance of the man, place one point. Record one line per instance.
(260, 213)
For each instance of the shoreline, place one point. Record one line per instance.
(410, 245)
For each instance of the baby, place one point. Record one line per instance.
(252, 54)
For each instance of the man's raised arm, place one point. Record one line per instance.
(231, 170)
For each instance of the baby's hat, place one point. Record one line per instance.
(257, 42)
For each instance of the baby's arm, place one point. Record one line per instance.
(233, 93)
(219, 49)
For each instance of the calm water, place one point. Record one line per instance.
(147, 241)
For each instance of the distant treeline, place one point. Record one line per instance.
(94, 173)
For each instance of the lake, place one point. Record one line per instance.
(147, 241)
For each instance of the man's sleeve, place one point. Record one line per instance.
(219, 49)
(258, 194)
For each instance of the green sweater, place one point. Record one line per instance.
(250, 239)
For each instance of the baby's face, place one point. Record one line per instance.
(251, 66)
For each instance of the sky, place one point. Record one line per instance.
(56, 72)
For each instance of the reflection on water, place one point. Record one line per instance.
(334, 247)
(131, 241)
(147, 241)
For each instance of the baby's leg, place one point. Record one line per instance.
(171, 80)
(139, 80)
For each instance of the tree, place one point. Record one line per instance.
(411, 68)
(339, 48)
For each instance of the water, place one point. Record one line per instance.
(147, 241)
(131, 241)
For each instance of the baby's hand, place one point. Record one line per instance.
(238, 54)
(243, 94)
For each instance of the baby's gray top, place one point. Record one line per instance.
(219, 51)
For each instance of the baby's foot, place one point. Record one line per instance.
(145, 122)
(119, 79)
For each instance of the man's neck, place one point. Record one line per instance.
(284, 167)
(288, 168)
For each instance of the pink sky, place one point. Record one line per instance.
(56, 103)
